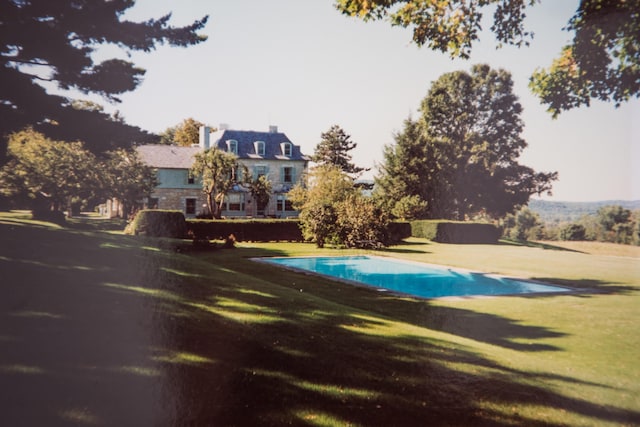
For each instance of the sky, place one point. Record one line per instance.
(303, 66)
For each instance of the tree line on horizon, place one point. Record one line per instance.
(610, 223)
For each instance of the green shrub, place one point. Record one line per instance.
(409, 207)
(158, 223)
(573, 232)
(361, 224)
(444, 231)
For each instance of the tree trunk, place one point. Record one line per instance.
(213, 207)
(219, 208)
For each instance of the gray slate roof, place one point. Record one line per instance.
(246, 149)
(167, 156)
(175, 157)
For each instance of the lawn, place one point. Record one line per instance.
(103, 329)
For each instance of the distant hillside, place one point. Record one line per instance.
(557, 212)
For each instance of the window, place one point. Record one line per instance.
(259, 171)
(190, 178)
(259, 146)
(286, 149)
(287, 174)
(235, 202)
(232, 146)
(190, 206)
(283, 205)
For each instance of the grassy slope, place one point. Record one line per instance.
(98, 328)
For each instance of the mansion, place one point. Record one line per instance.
(263, 153)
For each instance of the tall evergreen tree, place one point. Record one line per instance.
(333, 149)
(461, 157)
(53, 42)
(403, 167)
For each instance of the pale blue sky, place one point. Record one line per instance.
(303, 66)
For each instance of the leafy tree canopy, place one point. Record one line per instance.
(334, 211)
(217, 171)
(54, 175)
(601, 62)
(461, 156)
(609, 216)
(49, 173)
(185, 133)
(523, 225)
(572, 232)
(127, 178)
(260, 189)
(334, 149)
(327, 186)
(53, 42)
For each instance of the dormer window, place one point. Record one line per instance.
(232, 146)
(259, 146)
(286, 149)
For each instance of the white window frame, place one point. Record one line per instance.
(232, 146)
(287, 149)
(260, 147)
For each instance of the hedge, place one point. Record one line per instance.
(398, 231)
(269, 230)
(264, 230)
(443, 231)
(158, 223)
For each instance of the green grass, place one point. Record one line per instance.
(98, 328)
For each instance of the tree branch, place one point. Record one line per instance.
(25, 61)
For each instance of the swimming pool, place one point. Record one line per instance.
(413, 278)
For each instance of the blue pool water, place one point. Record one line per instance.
(412, 278)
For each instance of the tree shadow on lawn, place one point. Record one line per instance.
(587, 287)
(340, 365)
(99, 330)
(394, 250)
(91, 223)
(403, 247)
(540, 245)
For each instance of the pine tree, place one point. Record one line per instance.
(53, 42)
(333, 149)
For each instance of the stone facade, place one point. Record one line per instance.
(190, 201)
(263, 153)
